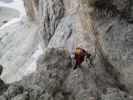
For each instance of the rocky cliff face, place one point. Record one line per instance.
(55, 79)
(103, 28)
(113, 31)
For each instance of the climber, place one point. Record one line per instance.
(79, 56)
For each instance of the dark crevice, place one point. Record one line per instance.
(114, 73)
(104, 9)
(127, 13)
(109, 68)
(70, 34)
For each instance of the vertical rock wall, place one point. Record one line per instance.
(91, 24)
(31, 7)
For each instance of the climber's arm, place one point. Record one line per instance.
(73, 55)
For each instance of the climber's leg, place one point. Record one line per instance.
(79, 65)
(75, 67)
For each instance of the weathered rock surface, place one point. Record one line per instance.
(17, 41)
(7, 1)
(99, 24)
(103, 28)
(7, 14)
(114, 94)
(114, 38)
(3, 86)
(18, 44)
(31, 7)
(56, 80)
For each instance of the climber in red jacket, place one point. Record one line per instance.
(80, 56)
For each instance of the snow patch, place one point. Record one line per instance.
(15, 20)
(17, 5)
(32, 67)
